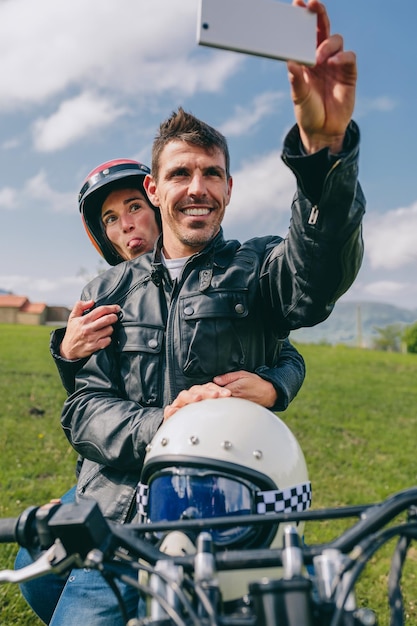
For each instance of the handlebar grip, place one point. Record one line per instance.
(8, 529)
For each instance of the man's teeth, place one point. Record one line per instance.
(196, 212)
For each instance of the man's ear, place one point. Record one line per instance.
(229, 189)
(150, 188)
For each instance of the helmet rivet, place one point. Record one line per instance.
(226, 445)
(106, 172)
(164, 441)
(193, 440)
(148, 447)
(257, 454)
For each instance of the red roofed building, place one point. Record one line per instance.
(19, 310)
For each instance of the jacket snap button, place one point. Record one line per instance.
(152, 343)
(239, 308)
(188, 310)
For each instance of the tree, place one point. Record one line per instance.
(410, 337)
(389, 338)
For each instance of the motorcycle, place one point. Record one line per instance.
(316, 585)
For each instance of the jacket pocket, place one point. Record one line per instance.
(139, 350)
(212, 339)
(114, 491)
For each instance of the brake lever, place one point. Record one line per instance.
(53, 561)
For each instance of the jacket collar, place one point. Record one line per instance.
(214, 246)
(217, 252)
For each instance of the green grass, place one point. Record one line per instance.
(36, 461)
(355, 418)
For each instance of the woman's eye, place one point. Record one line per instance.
(134, 207)
(110, 219)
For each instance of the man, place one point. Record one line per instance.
(198, 304)
(123, 231)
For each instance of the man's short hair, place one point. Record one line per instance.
(182, 126)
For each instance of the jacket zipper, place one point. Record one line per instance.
(314, 213)
(169, 341)
(172, 316)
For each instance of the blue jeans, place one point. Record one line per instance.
(42, 594)
(82, 597)
(87, 599)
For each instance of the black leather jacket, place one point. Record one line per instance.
(229, 310)
(286, 375)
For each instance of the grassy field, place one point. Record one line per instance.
(355, 418)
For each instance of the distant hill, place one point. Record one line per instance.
(354, 323)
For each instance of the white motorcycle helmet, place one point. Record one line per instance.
(220, 457)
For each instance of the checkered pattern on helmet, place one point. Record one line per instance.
(296, 498)
(142, 491)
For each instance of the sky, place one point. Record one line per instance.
(85, 81)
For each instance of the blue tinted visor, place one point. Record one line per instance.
(195, 494)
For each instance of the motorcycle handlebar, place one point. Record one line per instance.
(77, 535)
(8, 530)
(81, 527)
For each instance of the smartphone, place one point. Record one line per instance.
(264, 28)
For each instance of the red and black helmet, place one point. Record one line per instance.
(94, 191)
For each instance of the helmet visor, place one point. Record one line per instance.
(198, 494)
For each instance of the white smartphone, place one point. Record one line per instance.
(263, 28)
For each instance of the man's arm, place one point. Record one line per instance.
(287, 376)
(323, 252)
(271, 387)
(304, 275)
(86, 332)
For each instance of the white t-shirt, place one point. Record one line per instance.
(174, 266)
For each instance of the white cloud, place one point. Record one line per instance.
(10, 144)
(8, 198)
(246, 118)
(385, 289)
(40, 289)
(38, 188)
(47, 47)
(380, 104)
(391, 239)
(109, 54)
(183, 75)
(261, 197)
(74, 119)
